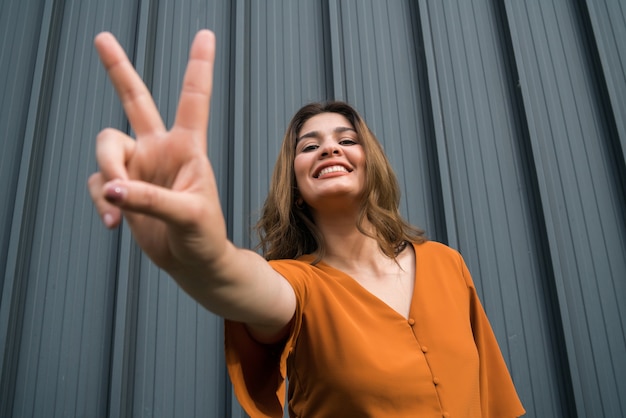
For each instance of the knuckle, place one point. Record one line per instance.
(195, 212)
(150, 199)
(105, 135)
(94, 181)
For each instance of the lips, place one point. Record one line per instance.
(337, 168)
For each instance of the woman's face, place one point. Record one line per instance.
(329, 161)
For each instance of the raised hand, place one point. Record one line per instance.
(162, 181)
(163, 184)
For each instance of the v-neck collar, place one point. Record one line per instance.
(352, 283)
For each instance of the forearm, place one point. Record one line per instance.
(241, 286)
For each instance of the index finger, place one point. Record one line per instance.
(195, 97)
(140, 109)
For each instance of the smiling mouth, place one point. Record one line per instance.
(331, 169)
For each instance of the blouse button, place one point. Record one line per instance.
(446, 415)
(411, 321)
(424, 349)
(436, 381)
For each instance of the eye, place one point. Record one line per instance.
(309, 148)
(347, 141)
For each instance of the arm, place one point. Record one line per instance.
(162, 183)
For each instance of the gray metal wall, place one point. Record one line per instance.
(504, 120)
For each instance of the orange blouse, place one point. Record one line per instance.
(351, 355)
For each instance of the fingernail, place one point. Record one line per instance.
(115, 194)
(108, 220)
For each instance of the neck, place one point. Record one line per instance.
(346, 246)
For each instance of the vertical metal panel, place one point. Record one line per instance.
(19, 120)
(64, 324)
(484, 144)
(608, 25)
(582, 195)
(20, 23)
(238, 194)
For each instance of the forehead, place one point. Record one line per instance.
(324, 122)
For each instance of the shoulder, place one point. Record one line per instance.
(298, 267)
(300, 273)
(440, 260)
(437, 250)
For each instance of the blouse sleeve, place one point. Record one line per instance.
(498, 396)
(257, 371)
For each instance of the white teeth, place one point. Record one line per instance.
(332, 169)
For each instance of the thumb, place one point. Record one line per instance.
(144, 198)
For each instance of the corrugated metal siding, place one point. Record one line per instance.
(504, 121)
(607, 24)
(581, 185)
(492, 192)
(18, 55)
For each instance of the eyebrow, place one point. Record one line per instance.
(317, 134)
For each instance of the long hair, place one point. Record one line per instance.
(286, 228)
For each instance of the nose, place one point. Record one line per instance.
(330, 148)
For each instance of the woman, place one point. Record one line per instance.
(364, 316)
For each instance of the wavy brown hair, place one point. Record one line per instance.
(287, 230)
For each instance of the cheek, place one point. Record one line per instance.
(300, 170)
(363, 165)
(358, 159)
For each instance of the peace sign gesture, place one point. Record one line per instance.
(161, 182)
